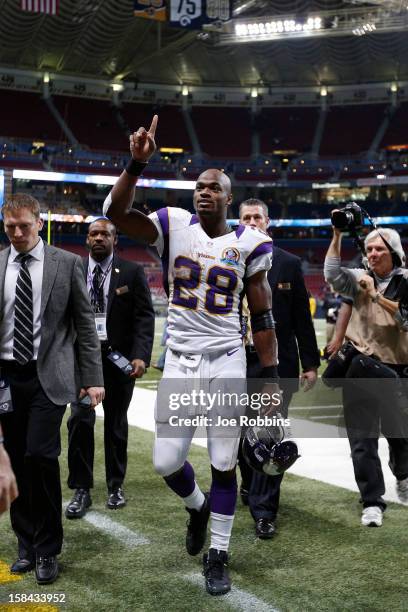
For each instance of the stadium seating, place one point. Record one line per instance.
(397, 132)
(351, 129)
(223, 132)
(27, 116)
(171, 131)
(287, 128)
(92, 122)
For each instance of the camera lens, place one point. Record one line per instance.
(342, 219)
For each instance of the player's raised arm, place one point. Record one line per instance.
(118, 204)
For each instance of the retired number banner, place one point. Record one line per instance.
(196, 13)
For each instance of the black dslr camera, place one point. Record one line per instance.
(338, 366)
(349, 218)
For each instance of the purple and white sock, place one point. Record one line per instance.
(184, 485)
(223, 498)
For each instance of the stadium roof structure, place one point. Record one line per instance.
(356, 42)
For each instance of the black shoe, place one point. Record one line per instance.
(46, 570)
(215, 570)
(265, 528)
(21, 566)
(116, 499)
(79, 504)
(197, 527)
(244, 494)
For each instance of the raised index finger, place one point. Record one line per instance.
(153, 126)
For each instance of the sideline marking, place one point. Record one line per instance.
(119, 532)
(239, 599)
(35, 607)
(6, 576)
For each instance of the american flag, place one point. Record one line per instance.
(49, 7)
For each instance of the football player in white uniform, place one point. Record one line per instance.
(206, 268)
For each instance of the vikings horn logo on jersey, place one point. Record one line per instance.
(230, 256)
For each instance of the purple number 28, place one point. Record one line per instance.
(221, 283)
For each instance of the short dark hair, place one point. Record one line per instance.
(254, 202)
(106, 220)
(18, 201)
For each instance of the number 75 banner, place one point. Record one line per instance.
(196, 13)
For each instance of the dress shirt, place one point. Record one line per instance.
(35, 266)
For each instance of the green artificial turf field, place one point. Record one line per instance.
(320, 560)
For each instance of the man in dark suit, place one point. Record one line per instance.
(50, 355)
(125, 322)
(296, 337)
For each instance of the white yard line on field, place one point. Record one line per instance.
(236, 598)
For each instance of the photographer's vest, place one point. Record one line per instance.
(374, 331)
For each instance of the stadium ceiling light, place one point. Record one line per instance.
(184, 90)
(364, 28)
(254, 92)
(265, 29)
(323, 92)
(394, 87)
(46, 77)
(117, 86)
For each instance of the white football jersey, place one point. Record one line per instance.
(204, 279)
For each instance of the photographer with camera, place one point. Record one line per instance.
(377, 349)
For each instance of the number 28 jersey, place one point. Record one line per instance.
(204, 279)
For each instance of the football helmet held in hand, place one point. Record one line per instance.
(267, 451)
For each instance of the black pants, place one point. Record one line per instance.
(263, 490)
(118, 394)
(32, 439)
(365, 413)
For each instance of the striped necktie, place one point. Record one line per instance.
(97, 289)
(23, 344)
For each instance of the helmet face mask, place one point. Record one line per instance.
(266, 451)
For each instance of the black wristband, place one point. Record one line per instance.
(134, 167)
(262, 320)
(270, 372)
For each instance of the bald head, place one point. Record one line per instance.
(212, 174)
(212, 194)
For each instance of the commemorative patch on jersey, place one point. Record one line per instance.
(230, 256)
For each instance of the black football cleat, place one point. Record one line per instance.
(215, 570)
(197, 527)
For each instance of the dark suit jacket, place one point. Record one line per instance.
(69, 356)
(290, 305)
(130, 315)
